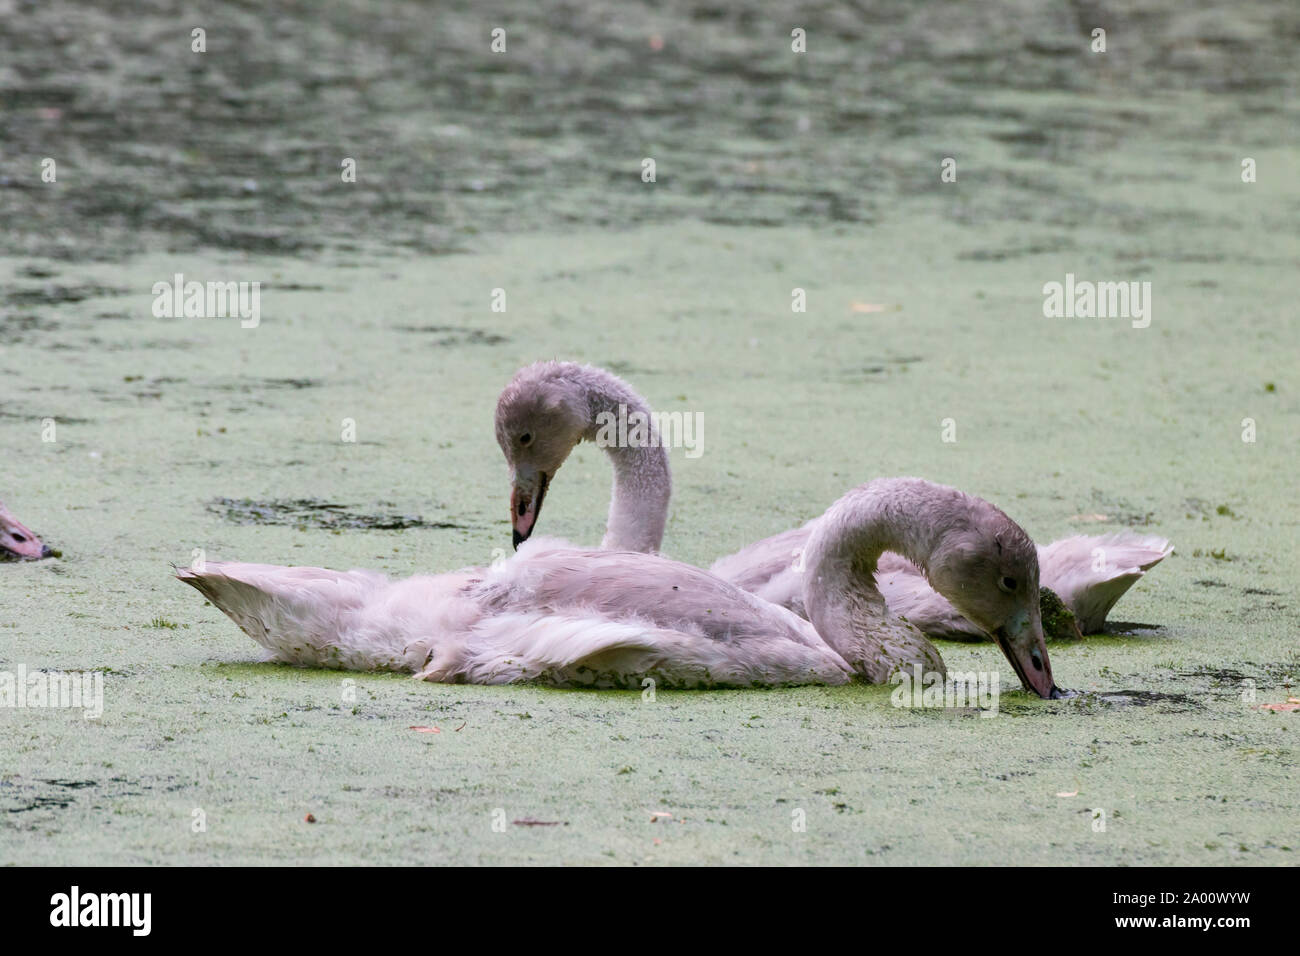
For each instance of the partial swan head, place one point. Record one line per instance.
(973, 554)
(549, 407)
(541, 415)
(17, 542)
(987, 567)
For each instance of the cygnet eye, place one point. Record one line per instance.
(1007, 583)
(525, 438)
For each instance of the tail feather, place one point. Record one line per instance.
(1092, 573)
(308, 616)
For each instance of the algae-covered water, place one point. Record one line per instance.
(522, 172)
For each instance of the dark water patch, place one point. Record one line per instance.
(278, 242)
(478, 142)
(1264, 592)
(248, 385)
(858, 373)
(876, 368)
(55, 801)
(1236, 679)
(1119, 510)
(1286, 673)
(62, 794)
(1023, 137)
(1134, 519)
(1124, 627)
(17, 327)
(1135, 698)
(1221, 675)
(42, 803)
(1002, 255)
(741, 218)
(317, 514)
(51, 294)
(1209, 583)
(12, 414)
(153, 382)
(1052, 46)
(451, 335)
(34, 271)
(153, 345)
(437, 245)
(296, 384)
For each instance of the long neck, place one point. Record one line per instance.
(908, 516)
(638, 506)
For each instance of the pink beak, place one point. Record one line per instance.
(525, 505)
(17, 543)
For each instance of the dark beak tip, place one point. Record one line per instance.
(518, 538)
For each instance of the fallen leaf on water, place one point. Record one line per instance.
(1090, 518)
(656, 814)
(1072, 793)
(1292, 703)
(461, 727)
(873, 307)
(425, 730)
(309, 819)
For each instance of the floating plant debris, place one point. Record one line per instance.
(314, 513)
(1136, 698)
(1059, 623)
(456, 334)
(52, 294)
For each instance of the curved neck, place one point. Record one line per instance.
(622, 424)
(908, 516)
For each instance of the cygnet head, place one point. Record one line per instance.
(541, 415)
(987, 567)
(17, 543)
